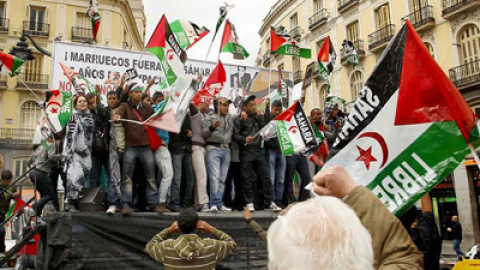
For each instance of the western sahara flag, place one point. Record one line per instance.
(187, 33)
(231, 44)
(81, 84)
(326, 59)
(409, 128)
(13, 63)
(212, 87)
(349, 49)
(171, 115)
(286, 45)
(293, 131)
(59, 109)
(165, 47)
(95, 17)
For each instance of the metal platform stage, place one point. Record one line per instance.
(93, 240)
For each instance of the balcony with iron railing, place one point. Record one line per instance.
(35, 81)
(318, 18)
(266, 58)
(422, 18)
(453, 8)
(380, 38)
(359, 48)
(297, 76)
(33, 28)
(346, 4)
(296, 32)
(82, 34)
(16, 135)
(466, 75)
(4, 23)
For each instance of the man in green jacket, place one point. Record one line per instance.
(190, 251)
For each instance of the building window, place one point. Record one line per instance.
(33, 70)
(469, 39)
(2, 11)
(356, 84)
(37, 18)
(382, 16)
(295, 63)
(322, 93)
(430, 49)
(353, 31)
(293, 20)
(29, 115)
(416, 5)
(83, 20)
(82, 31)
(317, 5)
(20, 165)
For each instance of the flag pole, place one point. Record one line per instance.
(26, 86)
(474, 154)
(270, 73)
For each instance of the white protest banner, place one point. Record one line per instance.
(102, 64)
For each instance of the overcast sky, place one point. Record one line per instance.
(247, 16)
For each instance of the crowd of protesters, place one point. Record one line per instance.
(217, 162)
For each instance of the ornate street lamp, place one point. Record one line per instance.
(22, 51)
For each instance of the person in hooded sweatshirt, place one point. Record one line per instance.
(190, 251)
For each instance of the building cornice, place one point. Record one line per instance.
(136, 37)
(273, 14)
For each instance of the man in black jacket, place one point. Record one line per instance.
(254, 168)
(100, 142)
(456, 231)
(180, 147)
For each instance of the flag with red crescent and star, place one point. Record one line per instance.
(410, 126)
(293, 130)
(59, 108)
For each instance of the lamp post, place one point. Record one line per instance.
(22, 51)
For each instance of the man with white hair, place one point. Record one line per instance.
(358, 233)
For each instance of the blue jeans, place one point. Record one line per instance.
(218, 161)
(182, 163)
(278, 165)
(130, 156)
(456, 247)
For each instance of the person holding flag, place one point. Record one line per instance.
(254, 168)
(137, 148)
(77, 151)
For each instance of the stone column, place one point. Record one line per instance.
(466, 205)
